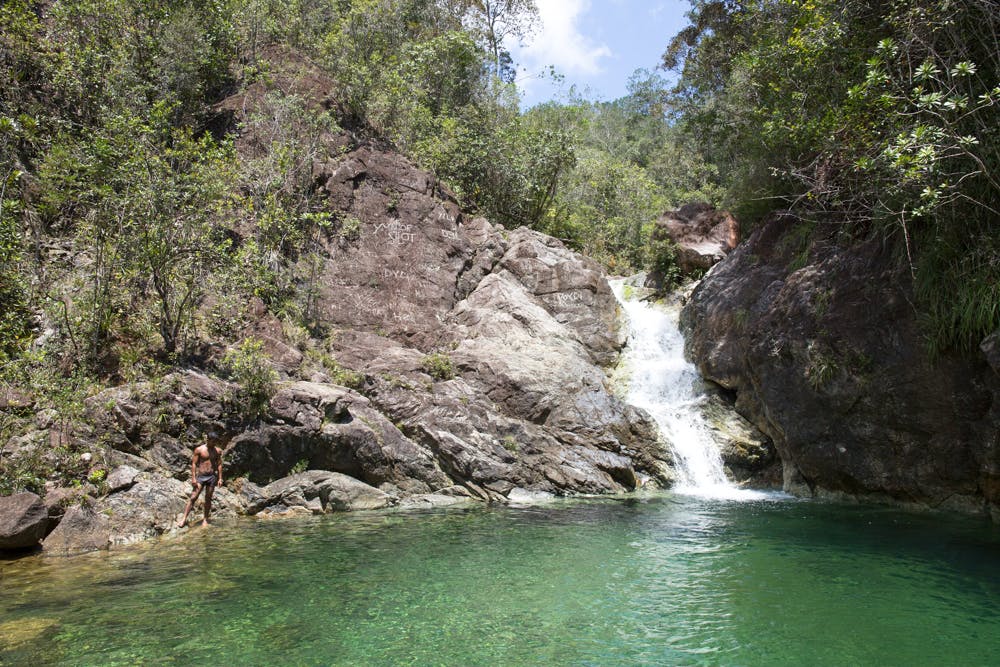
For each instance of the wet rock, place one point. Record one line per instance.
(81, 529)
(432, 501)
(747, 453)
(521, 496)
(23, 520)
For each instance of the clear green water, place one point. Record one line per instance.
(662, 581)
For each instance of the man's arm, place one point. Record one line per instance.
(218, 467)
(194, 467)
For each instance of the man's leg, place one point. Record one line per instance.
(209, 490)
(190, 504)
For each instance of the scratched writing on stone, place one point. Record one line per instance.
(567, 298)
(367, 306)
(395, 274)
(397, 232)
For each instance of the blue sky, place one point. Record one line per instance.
(595, 45)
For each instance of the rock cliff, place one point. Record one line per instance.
(475, 357)
(820, 344)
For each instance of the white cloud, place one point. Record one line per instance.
(559, 41)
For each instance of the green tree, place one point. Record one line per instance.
(877, 116)
(142, 197)
(495, 22)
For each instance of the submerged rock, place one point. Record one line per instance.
(28, 631)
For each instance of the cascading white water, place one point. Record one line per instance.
(666, 385)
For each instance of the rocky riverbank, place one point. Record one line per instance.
(459, 360)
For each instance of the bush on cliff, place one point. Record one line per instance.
(248, 366)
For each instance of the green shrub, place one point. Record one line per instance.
(510, 444)
(28, 472)
(249, 367)
(661, 260)
(438, 366)
(350, 228)
(821, 367)
(345, 377)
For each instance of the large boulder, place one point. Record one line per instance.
(81, 529)
(23, 520)
(702, 234)
(151, 505)
(328, 427)
(320, 491)
(823, 349)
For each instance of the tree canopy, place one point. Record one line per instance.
(880, 117)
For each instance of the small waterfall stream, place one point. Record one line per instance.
(667, 386)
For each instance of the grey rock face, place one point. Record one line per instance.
(81, 529)
(826, 357)
(320, 491)
(23, 520)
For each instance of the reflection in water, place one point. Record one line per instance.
(657, 580)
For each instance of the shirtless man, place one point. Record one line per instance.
(206, 473)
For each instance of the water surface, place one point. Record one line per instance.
(672, 580)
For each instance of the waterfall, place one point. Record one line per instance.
(668, 387)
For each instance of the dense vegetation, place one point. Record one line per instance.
(879, 117)
(137, 227)
(118, 187)
(121, 193)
